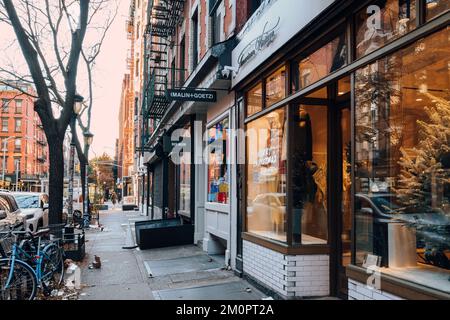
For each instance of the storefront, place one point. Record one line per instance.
(346, 114)
(221, 206)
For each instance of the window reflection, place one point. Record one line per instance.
(266, 176)
(218, 175)
(276, 87)
(184, 174)
(382, 22)
(254, 100)
(309, 176)
(436, 8)
(403, 162)
(321, 63)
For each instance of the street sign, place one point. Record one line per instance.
(191, 95)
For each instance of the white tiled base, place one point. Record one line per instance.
(360, 291)
(290, 276)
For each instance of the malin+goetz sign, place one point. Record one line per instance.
(191, 95)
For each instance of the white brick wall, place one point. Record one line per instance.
(290, 276)
(360, 291)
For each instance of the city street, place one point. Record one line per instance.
(264, 150)
(178, 273)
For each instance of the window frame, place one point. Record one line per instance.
(215, 206)
(18, 108)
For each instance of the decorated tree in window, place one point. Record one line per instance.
(427, 165)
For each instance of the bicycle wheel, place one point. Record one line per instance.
(23, 285)
(52, 266)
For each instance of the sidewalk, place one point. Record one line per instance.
(175, 273)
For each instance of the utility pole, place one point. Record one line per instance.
(71, 174)
(17, 174)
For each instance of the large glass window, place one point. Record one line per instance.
(254, 100)
(436, 8)
(266, 176)
(309, 175)
(218, 173)
(184, 175)
(402, 174)
(276, 87)
(382, 22)
(321, 63)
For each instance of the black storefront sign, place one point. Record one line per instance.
(191, 95)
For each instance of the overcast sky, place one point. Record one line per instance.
(108, 74)
(110, 68)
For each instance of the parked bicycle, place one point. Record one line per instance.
(28, 263)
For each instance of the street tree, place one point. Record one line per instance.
(102, 171)
(52, 41)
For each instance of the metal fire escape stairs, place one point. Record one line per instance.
(163, 17)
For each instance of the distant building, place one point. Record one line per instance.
(25, 159)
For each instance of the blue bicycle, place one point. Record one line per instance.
(29, 263)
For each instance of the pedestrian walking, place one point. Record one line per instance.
(114, 199)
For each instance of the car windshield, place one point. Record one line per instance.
(27, 201)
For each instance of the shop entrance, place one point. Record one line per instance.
(321, 176)
(341, 183)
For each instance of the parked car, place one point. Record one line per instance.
(10, 213)
(374, 212)
(35, 207)
(267, 212)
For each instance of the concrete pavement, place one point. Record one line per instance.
(170, 273)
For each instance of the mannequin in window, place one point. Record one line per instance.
(304, 188)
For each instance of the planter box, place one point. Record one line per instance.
(163, 233)
(129, 207)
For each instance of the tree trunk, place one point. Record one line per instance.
(56, 179)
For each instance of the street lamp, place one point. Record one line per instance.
(88, 139)
(77, 106)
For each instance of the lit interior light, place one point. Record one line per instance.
(431, 4)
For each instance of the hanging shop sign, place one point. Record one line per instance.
(192, 95)
(271, 27)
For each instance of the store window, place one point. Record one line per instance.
(218, 171)
(254, 100)
(382, 22)
(309, 175)
(402, 200)
(266, 176)
(184, 175)
(321, 63)
(276, 87)
(436, 8)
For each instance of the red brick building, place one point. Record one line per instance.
(25, 156)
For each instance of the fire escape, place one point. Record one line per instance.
(163, 17)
